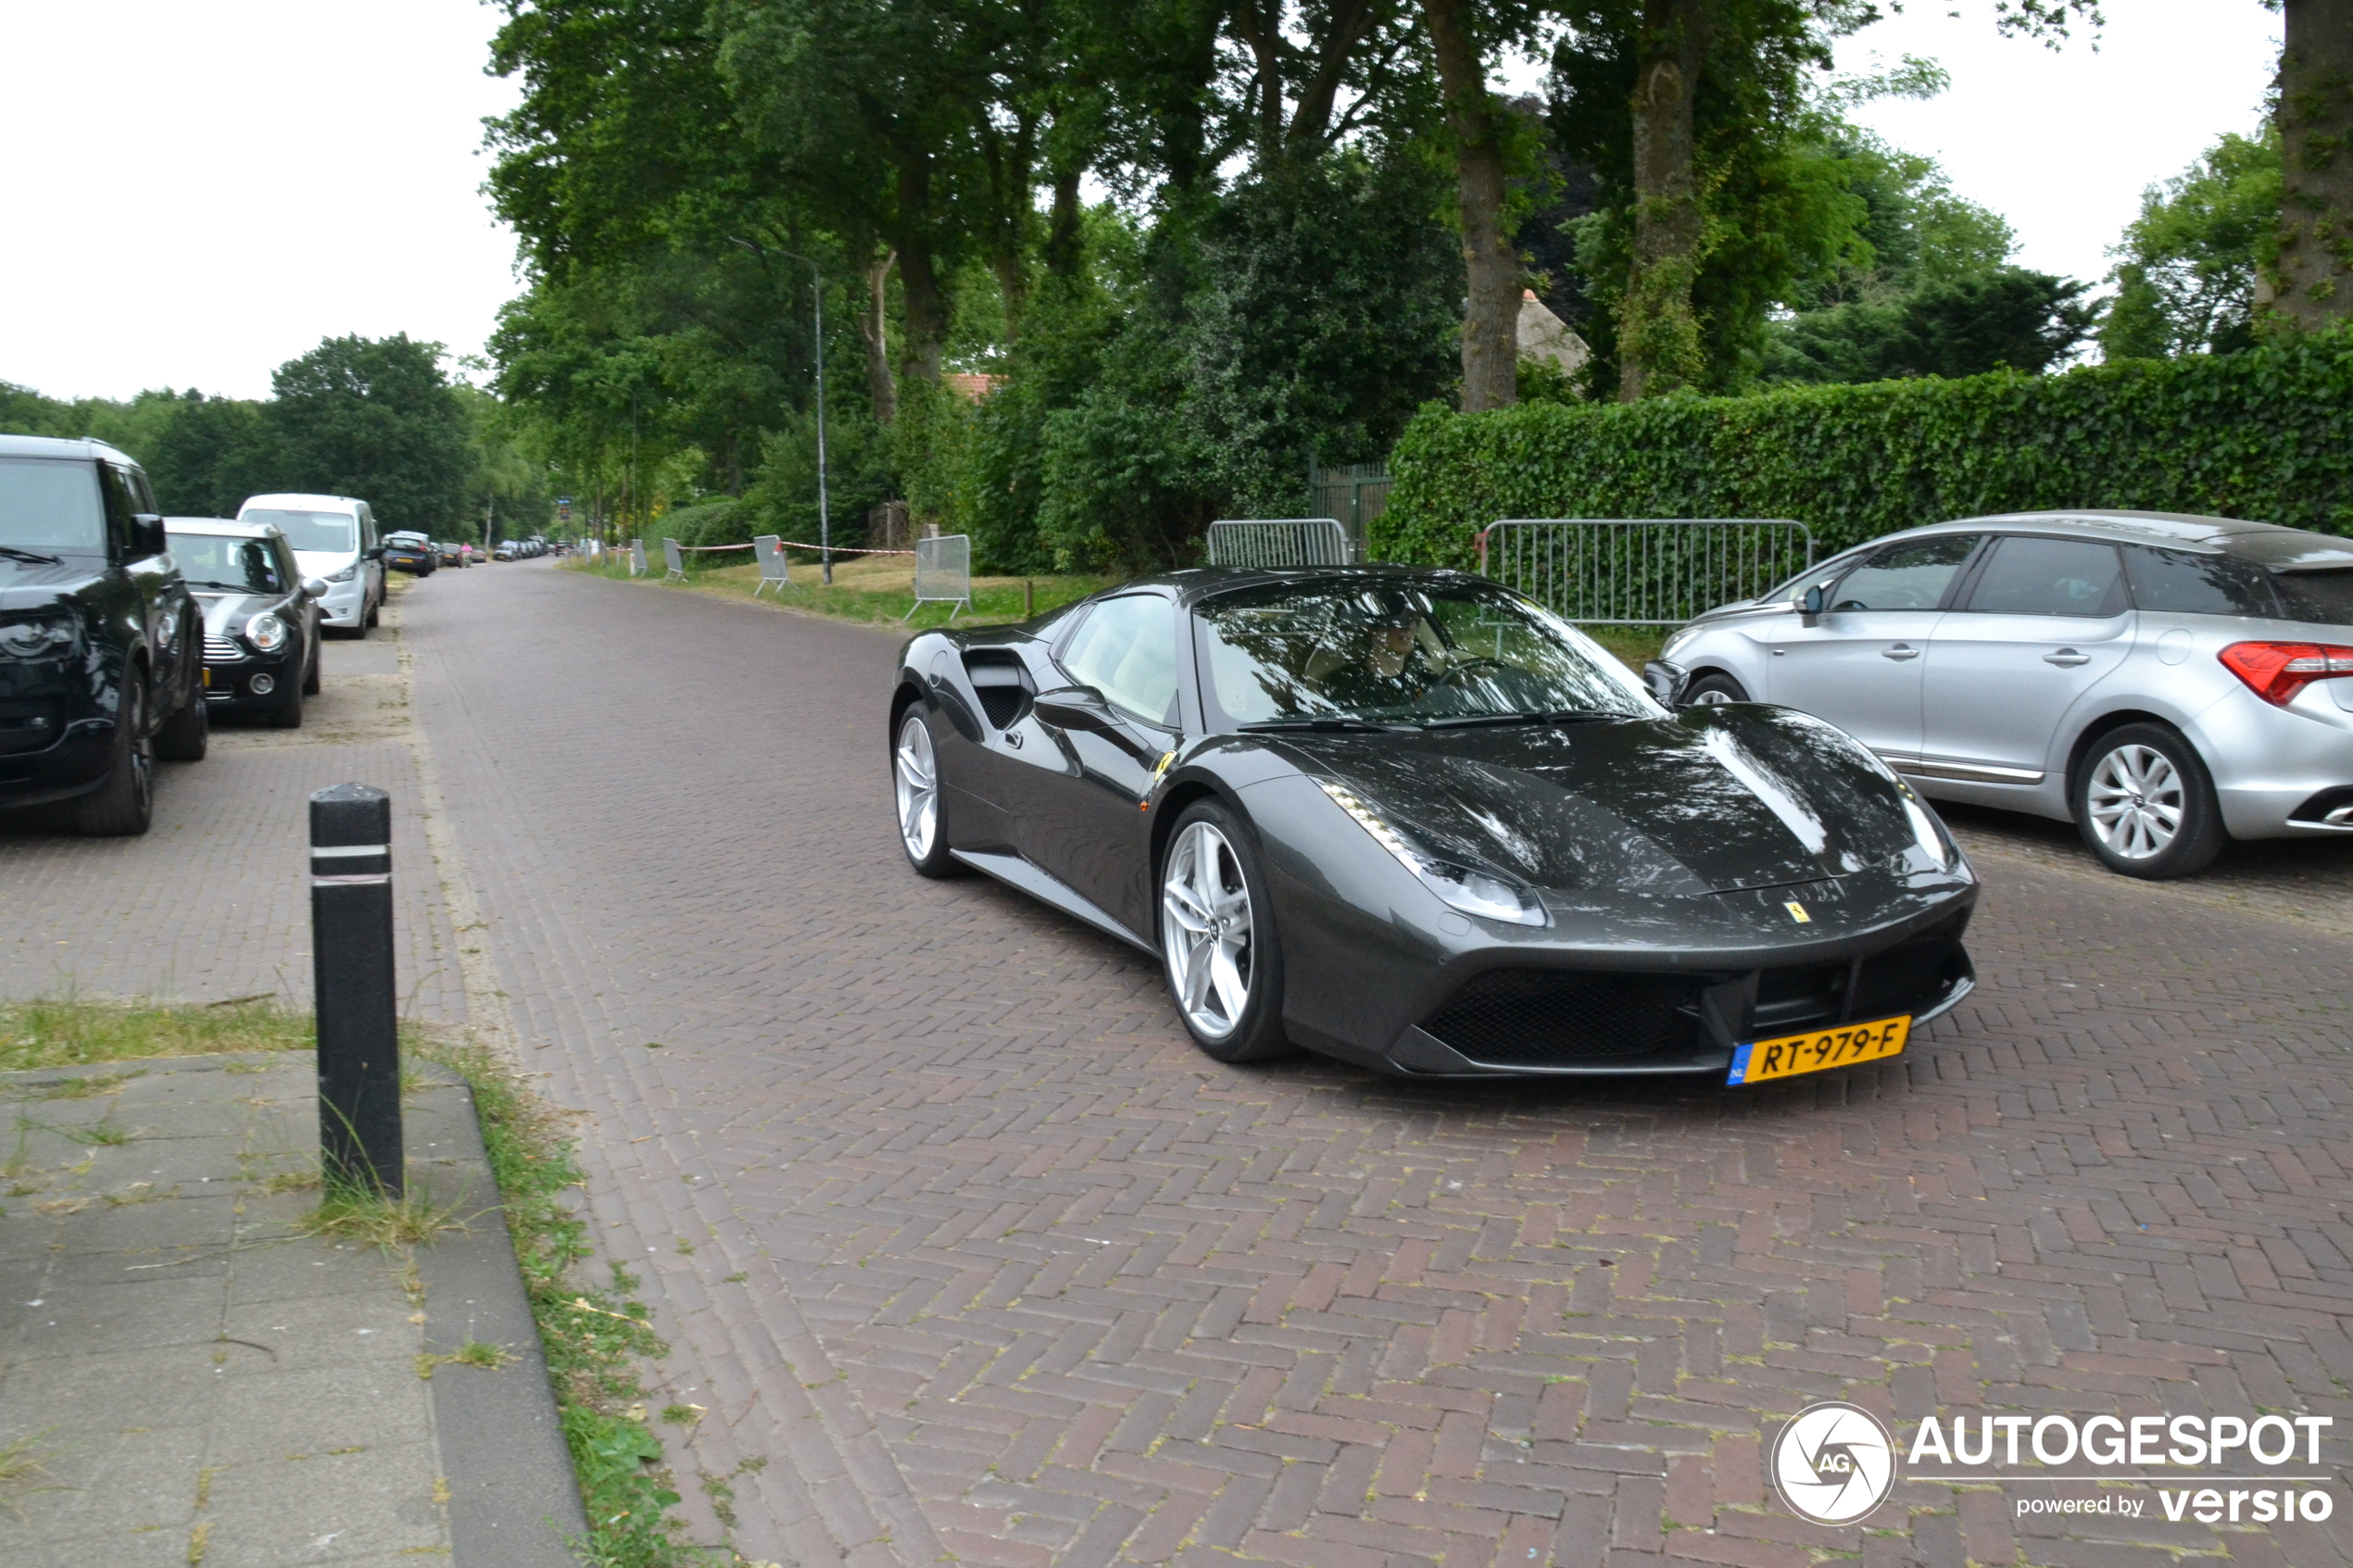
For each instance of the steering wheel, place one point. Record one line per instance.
(1470, 665)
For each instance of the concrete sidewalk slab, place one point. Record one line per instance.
(203, 1383)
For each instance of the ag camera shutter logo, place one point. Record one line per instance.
(1834, 1463)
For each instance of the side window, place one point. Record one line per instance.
(1127, 650)
(122, 503)
(1908, 576)
(368, 540)
(2030, 576)
(289, 571)
(142, 492)
(2183, 583)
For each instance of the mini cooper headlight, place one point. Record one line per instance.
(37, 635)
(266, 632)
(1466, 888)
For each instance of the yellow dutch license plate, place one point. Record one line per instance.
(1843, 1047)
(208, 679)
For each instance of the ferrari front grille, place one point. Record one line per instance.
(221, 650)
(1528, 1016)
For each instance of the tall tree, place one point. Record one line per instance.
(1491, 320)
(376, 418)
(2314, 285)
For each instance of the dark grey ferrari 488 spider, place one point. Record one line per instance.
(1413, 819)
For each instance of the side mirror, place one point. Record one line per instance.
(315, 587)
(1809, 606)
(375, 552)
(1667, 682)
(147, 536)
(1072, 708)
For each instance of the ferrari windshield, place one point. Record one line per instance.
(1401, 652)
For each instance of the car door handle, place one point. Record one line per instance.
(1901, 650)
(2067, 659)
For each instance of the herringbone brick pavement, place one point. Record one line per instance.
(950, 1225)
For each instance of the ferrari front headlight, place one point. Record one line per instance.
(1926, 832)
(1468, 888)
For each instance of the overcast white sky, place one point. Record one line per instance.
(200, 191)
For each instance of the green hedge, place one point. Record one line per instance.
(2266, 434)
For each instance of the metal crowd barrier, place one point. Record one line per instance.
(774, 570)
(673, 560)
(943, 574)
(1643, 571)
(637, 557)
(1278, 542)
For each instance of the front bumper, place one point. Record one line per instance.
(228, 683)
(55, 740)
(346, 603)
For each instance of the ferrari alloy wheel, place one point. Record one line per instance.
(914, 776)
(1216, 941)
(2146, 806)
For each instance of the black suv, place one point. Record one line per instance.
(101, 643)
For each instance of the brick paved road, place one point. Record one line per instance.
(951, 1225)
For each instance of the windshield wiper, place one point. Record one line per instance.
(1326, 725)
(1550, 716)
(30, 557)
(229, 587)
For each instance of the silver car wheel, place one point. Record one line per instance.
(2136, 801)
(916, 776)
(1713, 697)
(1205, 930)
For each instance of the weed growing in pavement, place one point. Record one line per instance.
(593, 1334)
(69, 1031)
(22, 1463)
(357, 1214)
(474, 1353)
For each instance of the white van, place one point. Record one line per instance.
(333, 537)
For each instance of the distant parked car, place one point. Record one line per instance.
(2164, 682)
(101, 669)
(333, 537)
(260, 616)
(504, 550)
(412, 553)
(448, 553)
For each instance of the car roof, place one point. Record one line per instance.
(2267, 543)
(226, 527)
(1194, 583)
(83, 446)
(289, 501)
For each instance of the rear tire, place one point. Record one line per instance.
(187, 732)
(2144, 804)
(1218, 948)
(123, 806)
(1712, 690)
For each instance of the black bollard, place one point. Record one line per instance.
(351, 968)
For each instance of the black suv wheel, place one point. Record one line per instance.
(125, 804)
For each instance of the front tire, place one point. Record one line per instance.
(1217, 941)
(915, 778)
(1712, 690)
(310, 670)
(287, 715)
(2144, 804)
(123, 806)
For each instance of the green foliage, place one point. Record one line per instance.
(2187, 269)
(2004, 318)
(2266, 434)
(376, 418)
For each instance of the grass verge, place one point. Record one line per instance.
(71, 1032)
(877, 589)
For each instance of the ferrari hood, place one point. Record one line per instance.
(1704, 801)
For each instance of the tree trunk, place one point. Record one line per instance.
(919, 285)
(2315, 273)
(1066, 241)
(1491, 327)
(873, 327)
(1658, 344)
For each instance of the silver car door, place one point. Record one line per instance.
(2045, 620)
(1859, 665)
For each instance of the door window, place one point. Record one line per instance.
(2183, 583)
(2030, 576)
(122, 503)
(1127, 650)
(1908, 576)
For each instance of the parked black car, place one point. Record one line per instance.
(1413, 819)
(100, 671)
(411, 553)
(261, 620)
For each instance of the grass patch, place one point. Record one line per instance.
(1634, 646)
(474, 1353)
(71, 1032)
(22, 1463)
(594, 1333)
(878, 589)
(368, 1219)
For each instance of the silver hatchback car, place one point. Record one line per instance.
(2162, 681)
